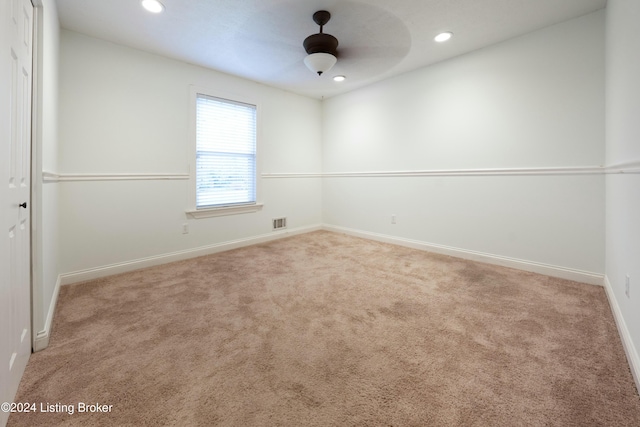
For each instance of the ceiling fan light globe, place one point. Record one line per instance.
(320, 62)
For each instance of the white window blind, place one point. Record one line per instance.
(225, 152)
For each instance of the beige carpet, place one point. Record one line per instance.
(325, 329)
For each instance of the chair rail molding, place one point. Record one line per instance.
(62, 177)
(630, 167)
(566, 170)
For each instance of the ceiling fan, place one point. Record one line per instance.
(277, 46)
(321, 47)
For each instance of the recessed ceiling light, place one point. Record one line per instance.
(443, 37)
(339, 78)
(153, 6)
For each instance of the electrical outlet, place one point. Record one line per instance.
(185, 228)
(627, 284)
(393, 219)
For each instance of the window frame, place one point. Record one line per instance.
(192, 210)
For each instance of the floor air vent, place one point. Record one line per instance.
(279, 223)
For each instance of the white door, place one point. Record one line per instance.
(16, 23)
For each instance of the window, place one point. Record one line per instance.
(224, 171)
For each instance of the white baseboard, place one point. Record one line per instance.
(42, 337)
(124, 267)
(625, 336)
(534, 267)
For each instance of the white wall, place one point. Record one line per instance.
(536, 101)
(45, 157)
(124, 111)
(623, 191)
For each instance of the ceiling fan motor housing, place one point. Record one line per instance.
(321, 43)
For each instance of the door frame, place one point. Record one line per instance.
(37, 297)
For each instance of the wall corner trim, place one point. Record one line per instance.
(626, 167)
(50, 176)
(531, 266)
(627, 343)
(42, 337)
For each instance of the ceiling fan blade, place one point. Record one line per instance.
(372, 52)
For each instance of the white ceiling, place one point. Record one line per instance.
(261, 40)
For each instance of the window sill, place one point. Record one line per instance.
(228, 210)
